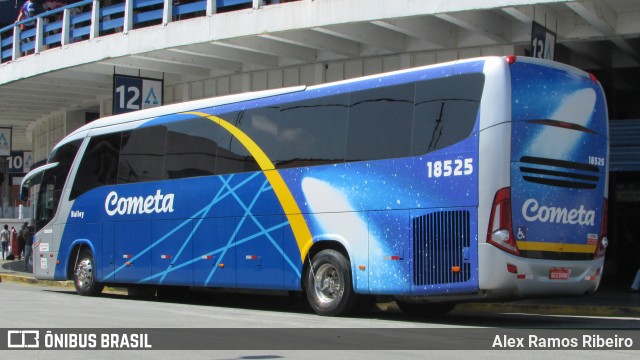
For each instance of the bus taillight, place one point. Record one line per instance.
(500, 232)
(603, 240)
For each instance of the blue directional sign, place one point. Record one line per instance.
(131, 93)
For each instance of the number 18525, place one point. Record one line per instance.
(457, 167)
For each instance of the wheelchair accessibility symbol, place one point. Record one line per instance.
(522, 233)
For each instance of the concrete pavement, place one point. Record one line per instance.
(612, 299)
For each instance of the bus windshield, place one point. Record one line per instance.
(52, 183)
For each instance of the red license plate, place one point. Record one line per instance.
(559, 274)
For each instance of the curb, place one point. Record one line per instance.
(538, 309)
(34, 281)
(550, 309)
(65, 283)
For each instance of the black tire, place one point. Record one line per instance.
(328, 284)
(426, 310)
(84, 275)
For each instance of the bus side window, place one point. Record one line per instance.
(313, 132)
(446, 111)
(192, 146)
(99, 165)
(261, 126)
(380, 123)
(142, 155)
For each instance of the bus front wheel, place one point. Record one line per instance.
(84, 275)
(328, 284)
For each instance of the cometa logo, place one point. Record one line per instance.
(157, 203)
(532, 211)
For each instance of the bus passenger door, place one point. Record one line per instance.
(214, 252)
(171, 253)
(132, 253)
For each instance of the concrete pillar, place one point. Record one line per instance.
(66, 27)
(16, 42)
(167, 13)
(94, 31)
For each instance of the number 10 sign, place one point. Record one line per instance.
(131, 93)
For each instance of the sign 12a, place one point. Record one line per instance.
(131, 93)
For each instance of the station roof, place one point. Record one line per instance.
(592, 35)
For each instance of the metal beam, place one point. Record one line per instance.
(271, 47)
(318, 41)
(61, 86)
(10, 100)
(368, 34)
(230, 54)
(78, 76)
(176, 57)
(438, 33)
(485, 23)
(142, 63)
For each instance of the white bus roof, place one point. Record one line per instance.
(182, 107)
(235, 98)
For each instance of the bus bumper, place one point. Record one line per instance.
(503, 275)
(44, 265)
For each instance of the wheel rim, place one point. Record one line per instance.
(328, 284)
(84, 274)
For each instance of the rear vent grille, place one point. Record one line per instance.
(441, 248)
(559, 173)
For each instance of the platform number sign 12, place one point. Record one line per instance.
(132, 93)
(543, 42)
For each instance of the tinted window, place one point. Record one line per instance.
(261, 126)
(99, 165)
(52, 183)
(446, 111)
(380, 123)
(192, 147)
(385, 122)
(142, 155)
(313, 132)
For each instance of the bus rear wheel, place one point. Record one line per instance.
(84, 275)
(328, 284)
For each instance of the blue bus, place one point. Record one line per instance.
(473, 180)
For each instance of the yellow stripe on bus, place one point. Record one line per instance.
(558, 247)
(289, 205)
